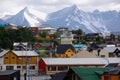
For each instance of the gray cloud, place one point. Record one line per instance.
(14, 6)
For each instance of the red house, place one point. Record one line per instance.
(42, 66)
(55, 65)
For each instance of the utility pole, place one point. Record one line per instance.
(108, 67)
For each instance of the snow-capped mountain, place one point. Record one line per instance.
(27, 17)
(74, 18)
(71, 17)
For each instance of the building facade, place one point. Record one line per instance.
(55, 65)
(19, 60)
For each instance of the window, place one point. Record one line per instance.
(0, 67)
(51, 68)
(6, 57)
(69, 51)
(18, 66)
(20, 58)
(62, 68)
(9, 67)
(29, 58)
(24, 67)
(13, 57)
(32, 67)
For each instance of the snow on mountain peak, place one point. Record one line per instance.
(36, 13)
(71, 17)
(74, 18)
(27, 17)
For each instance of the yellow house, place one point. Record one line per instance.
(18, 60)
(65, 50)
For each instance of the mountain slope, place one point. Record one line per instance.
(111, 20)
(2, 22)
(71, 17)
(74, 18)
(27, 17)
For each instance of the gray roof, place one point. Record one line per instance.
(7, 72)
(111, 49)
(115, 71)
(20, 53)
(24, 53)
(18, 43)
(3, 53)
(63, 47)
(78, 61)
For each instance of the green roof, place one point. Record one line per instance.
(89, 73)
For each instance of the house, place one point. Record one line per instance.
(10, 75)
(45, 28)
(42, 28)
(34, 30)
(85, 73)
(18, 60)
(20, 45)
(78, 38)
(93, 73)
(117, 52)
(11, 26)
(112, 74)
(55, 65)
(93, 36)
(65, 50)
(113, 51)
(62, 30)
(66, 38)
(80, 47)
(113, 37)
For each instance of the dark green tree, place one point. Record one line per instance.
(78, 32)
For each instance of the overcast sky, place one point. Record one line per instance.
(14, 6)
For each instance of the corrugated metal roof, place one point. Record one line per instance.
(3, 53)
(111, 49)
(24, 53)
(18, 43)
(78, 61)
(20, 53)
(7, 72)
(88, 73)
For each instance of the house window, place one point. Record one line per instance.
(32, 67)
(62, 68)
(66, 56)
(9, 67)
(6, 57)
(0, 67)
(51, 68)
(71, 54)
(19, 67)
(29, 58)
(13, 57)
(20, 58)
(24, 67)
(69, 51)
